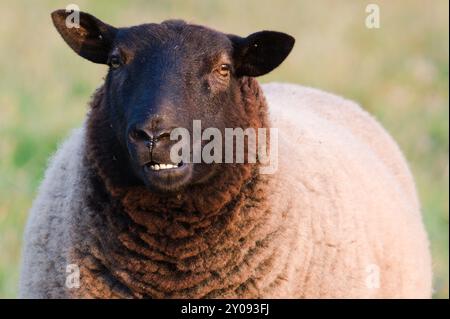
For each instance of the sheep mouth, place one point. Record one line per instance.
(166, 177)
(159, 167)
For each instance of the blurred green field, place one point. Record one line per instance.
(398, 72)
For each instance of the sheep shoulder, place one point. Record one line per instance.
(49, 232)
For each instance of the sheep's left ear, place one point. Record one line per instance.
(260, 52)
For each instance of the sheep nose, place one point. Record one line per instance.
(147, 136)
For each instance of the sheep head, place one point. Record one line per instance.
(165, 76)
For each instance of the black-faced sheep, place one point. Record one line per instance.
(338, 218)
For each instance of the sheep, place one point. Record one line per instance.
(339, 218)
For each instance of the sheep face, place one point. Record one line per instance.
(165, 76)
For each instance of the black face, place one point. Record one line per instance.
(164, 76)
(160, 78)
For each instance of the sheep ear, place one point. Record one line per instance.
(92, 39)
(260, 52)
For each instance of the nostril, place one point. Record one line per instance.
(139, 135)
(164, 135)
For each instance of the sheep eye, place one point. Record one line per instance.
(115, 62)
(224, 70)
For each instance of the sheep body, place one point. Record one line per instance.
(339, 218)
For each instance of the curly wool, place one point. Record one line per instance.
(175, 246)
(341, 205)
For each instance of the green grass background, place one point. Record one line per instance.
(398, 72)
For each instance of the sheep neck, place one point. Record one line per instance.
(149, 245)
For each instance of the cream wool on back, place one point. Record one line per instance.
(341, 217)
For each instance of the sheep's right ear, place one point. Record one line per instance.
(92, 39)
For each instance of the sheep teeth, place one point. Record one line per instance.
(158, 167)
